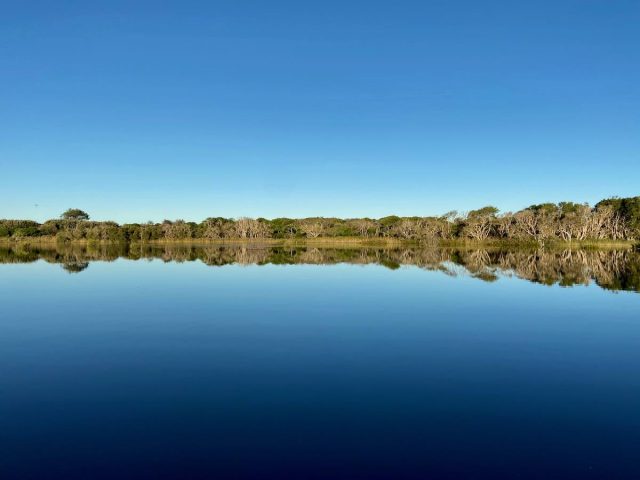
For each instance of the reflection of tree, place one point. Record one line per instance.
(610, 269)
(75, 267)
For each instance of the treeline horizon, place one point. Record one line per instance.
(614, 219)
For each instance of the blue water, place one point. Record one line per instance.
(146, 369)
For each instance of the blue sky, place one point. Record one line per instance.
(140, 111)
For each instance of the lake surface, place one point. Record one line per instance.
(224, 362)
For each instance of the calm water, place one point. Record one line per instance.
(319, 363)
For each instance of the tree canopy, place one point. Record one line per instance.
(75, 214)
(610, 219)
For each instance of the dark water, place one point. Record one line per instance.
(319, 363)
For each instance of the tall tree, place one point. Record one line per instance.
(75, 214)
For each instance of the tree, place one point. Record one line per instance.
(506, 225)
(613, 219)
(445, 225)
(178, 230)
(75, 214)
(365, 227)
(312, 227)
(479, 223)
(407, 228)
(283, 227)
(628, 210)
(388, 224)
(251, 228)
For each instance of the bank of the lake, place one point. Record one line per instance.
(346, 242)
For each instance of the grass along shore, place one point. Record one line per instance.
(347, 242)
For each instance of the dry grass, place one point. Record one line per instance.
(349, 242)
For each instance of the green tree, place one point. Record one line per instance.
(628, 209)
(75, 214)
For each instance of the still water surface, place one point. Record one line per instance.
(319, 363)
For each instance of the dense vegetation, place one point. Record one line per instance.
(611, 219)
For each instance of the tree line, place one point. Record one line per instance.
(610, 219)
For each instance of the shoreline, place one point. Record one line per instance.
(332, 242)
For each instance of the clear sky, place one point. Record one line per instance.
(140, 111)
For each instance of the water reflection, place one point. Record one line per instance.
(610, 269)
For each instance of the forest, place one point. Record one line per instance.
(614, 219)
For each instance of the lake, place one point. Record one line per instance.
(298, 362)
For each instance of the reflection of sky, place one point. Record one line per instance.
(360, 355)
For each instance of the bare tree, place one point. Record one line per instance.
(251, 228)
(407, 228)
(479, 223)
(506, 225)
(313, 228)
(364, 226)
